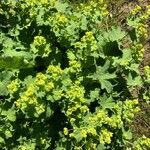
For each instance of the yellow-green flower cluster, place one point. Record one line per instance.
(65, 130)
(75, 92)
(84, 109)
(90, 144)
(105, 136)
(138, 51)
(97, 120)
(42, 85)
(39, 40)
(78, 45)
(98, 117)
(124, 62)
(39, 46)
(136, 10)
(142, 143)
(92, 42)
(92, 131)
(148, 10)
(75, 66)
(147, 73)
(70, 110)
(81, 131)
(54, 71)
(88, 44)
(141, 26)
(130, 108)
(146, 14)
(42, 141)
(88, 37)
(73, 108)
(30, 90)
(61, 18)
(13, 86)
(103, 8)
(114, 121)
(87, 8)
(102, 118)
(28, 98)
(49, 86)
(59, 22)
(76, 101)
(142, 30)
(93, 5)
(40, 79)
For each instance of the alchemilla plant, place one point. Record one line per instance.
(67, 79)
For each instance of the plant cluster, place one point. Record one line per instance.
(66, 79)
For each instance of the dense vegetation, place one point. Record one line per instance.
(68, 75)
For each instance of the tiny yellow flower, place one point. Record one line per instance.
(65, 131)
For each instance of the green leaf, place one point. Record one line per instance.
(94, 94)
(40, 94)
(48, 111)
(7, 62)
(134, 67)
(106, 85)
(106, 102)
(8, 134)
(1, 140)
(61, 7)
(40, 16)
(11, 115)
(14, 53)
(127, 134)
(125, 60)
(84, 23)
(134, 81)
(114, 34)
(3, 88)
(50, 98)
(126, 55)
(133, 22)
(56, 94)
(5, 76)
(103, 76)
(78, 136)
(71, 55)
(101, 147)
(28, 80)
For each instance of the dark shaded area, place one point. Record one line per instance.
(112, 49)
(93, 106)
(121, 87)
(26, 36)
(132, 34)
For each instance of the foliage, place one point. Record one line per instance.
(66, 79)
